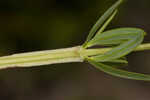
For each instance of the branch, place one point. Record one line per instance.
(67, 55)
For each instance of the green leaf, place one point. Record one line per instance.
(115, 36)
(118, 61)
(101, 21)
(116, 65)
(121, 62)
(107, 22)
(119, 73)
(127, 39)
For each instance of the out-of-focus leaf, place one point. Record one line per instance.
(119, 73)
(101, 20)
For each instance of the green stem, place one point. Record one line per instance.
(41, 58)
(92, 52)
(74, 54)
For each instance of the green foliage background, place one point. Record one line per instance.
(31, 25)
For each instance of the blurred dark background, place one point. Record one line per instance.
(32, 25)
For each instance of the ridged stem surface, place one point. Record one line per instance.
(66, 55)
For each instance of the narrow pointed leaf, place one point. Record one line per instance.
(101, 20)
(116, 65)
(120, 73)
(107, 22)
(118, 61)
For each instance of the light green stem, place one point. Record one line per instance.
(74, 54)
(92, 52)
(41, 58)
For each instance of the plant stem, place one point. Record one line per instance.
(74, 54)
(92, 52)
(41, 58)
